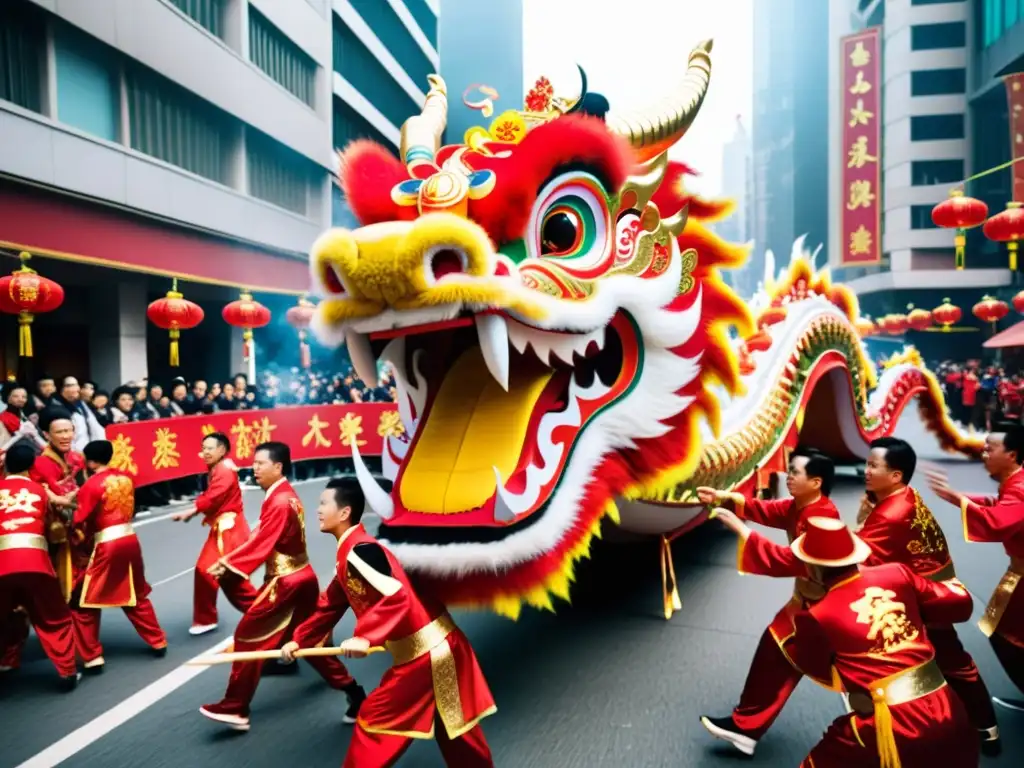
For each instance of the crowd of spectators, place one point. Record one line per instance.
(981, 395)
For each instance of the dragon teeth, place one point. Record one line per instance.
(493, 333)
(359, 352)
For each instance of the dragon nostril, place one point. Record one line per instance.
(447, 261)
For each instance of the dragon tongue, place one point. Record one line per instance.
(471, 427)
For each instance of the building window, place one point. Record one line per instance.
(921, 217)
(348, 125)
(390, 30)
(171, 124)
(938, 82)
(280, 58)
(997, 16)
(933, 2)
(22, 48)
(936, 127)
(930, 37)
(354, 62)
(925, 172)
(425, 19)
(276, 174)
(877, 17)
(209, 14)
(88, 86)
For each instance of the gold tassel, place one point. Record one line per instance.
(1011, 249)
(64, 571)
(669, 591)
(25, 334)
(175, 336)
(888, 756)
(304, 355)
(960, 244)
(246, 341)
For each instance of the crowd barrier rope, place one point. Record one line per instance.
(168, 449)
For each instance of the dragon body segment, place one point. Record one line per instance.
(550, 297)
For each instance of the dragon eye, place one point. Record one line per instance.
(561, 232)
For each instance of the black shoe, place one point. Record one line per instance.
(1015, 704)
(70, 682)
(356, 697)
(277, 668)
(159, 652)
(725, 729)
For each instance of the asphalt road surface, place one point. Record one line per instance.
(605, 682)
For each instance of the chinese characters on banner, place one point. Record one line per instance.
(861, 99)
(165, 449)
(1015, 102)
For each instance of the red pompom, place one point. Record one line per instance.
(368, 174)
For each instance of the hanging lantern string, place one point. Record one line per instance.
(996, 169)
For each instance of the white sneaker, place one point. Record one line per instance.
(237, 722)
(5, 668)
(723, 728)
(201, 629)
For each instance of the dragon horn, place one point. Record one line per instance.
(654, 130)
(421, 134)
(583, 92)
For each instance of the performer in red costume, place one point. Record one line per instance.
(435, 687)
(289, 595)
(115, 576)
(901, 529)
(774, 674)
(221, 507)
(27, 577)
(1000, 519)
(870, 634)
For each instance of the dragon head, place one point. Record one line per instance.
(552, 309)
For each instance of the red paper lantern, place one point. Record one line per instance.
(174, 313)
(299, 317)
(947, 314)
(25, 293)
(246, 313)
(895, 324)
(918, 319)
(961, 213)
(1018, 302)
(1007, 227)
(990, 310)
(865, 327)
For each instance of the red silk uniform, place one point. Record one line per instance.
(1001, 519)
(870, 633)
(774, 674)
(221, 507)
(289, 594)
(434, 688)
(59, 472)
(901, 529)
(27, 578)
(115, 576)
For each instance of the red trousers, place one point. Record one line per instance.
(962, 675)
(87, 627)
(239, 592)
(43, 601)
(13, 636)
(281, 606)
(1010, 655)
(377, 750)
(770, 682)
(931, 731)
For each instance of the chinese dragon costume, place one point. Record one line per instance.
(551, 299)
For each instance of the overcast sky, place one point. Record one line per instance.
(632, 57)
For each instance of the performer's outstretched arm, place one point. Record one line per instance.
(330, 607)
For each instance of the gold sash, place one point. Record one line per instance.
(23, 541)
(113, 533)
(422, 641)
(1001, 597)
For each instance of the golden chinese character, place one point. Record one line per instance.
(888, 625)
(351, 427)
(858, 154)
(860, 85)
(123, 450)
(119, 496)
(316, 433)
(860, 196)
(208, 429)
(243, 439)
(860, 241)
(16, 523)
(859, 115)
(390, 424)
(165, 449)
(931, 540)
(22, 501)
(860, 56)
(261, 431)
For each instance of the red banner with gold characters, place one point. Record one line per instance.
(1015, 102)
(166, 449)
(861, 99)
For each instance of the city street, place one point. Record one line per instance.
(605, 682)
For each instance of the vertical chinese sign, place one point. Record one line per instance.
(1015, 102)
(861, 99)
